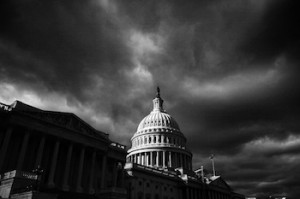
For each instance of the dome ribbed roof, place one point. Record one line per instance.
(158, 119)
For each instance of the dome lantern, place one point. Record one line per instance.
(158, 102)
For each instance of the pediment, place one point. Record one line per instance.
(67, 120)
(219, 182)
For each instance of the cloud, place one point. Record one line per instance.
(228, 72)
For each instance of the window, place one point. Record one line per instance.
(140, 195)
(148, 196)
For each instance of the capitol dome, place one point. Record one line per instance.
(157, 118)
(158, 141)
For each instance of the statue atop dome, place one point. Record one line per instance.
(158, 92)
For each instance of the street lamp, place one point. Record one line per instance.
(38, 171)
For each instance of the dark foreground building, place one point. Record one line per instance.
(46, 154)
(77, 160)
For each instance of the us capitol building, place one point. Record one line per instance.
(48, 154)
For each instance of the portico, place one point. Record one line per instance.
(75, 157)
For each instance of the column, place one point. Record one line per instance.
(115, 174)
(175, 160)
(187, 192)
(151, 158)
(23, 151)
(157, 158)
(164, 159)
(67, 168)
(146, 158)
(40, 152)
(4, 147)
(143, 158)
(180, 157)
(53, 164)
(104, 158)
(170, 159)
(80, 168)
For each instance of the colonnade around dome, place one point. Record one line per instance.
(161, 159)
(158, 140)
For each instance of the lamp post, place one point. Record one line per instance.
(38, 171)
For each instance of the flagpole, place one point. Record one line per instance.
(213, 164)
(202, 174)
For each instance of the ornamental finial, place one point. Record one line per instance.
(158, 92)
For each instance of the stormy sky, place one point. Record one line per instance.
(228, 72)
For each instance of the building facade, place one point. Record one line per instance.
(48, 154)
(77, 161)
(159, 165)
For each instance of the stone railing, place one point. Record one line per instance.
(130, 165)
(5, 107)
(159, 145)
(117, 145)
(19, 174)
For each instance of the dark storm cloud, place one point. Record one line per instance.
(228, 71)
(72, 38)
